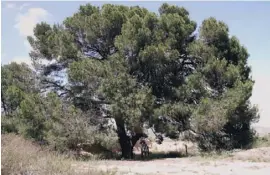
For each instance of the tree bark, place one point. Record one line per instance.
(126, 143)
(124, 140)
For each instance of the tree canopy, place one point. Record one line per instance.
(143, 70)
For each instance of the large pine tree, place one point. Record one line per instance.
(142, 68)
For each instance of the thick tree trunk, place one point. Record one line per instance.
(127, 143)
(126, 147)
(124, 140)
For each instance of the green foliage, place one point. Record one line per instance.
(61, 125)
(32, 114)
(138, 68)
(9, 124)
(16, 81)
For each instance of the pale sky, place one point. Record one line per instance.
(249, 21)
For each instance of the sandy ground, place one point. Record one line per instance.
(168, 145)
(255, 161)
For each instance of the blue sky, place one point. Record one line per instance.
(249, 21)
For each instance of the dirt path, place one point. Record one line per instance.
(244, 162)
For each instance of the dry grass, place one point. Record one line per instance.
(254, 155)
(259, 153)
(20, 156)
(251, 155)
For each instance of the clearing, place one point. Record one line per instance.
(254, 161)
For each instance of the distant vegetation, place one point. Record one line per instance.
(263, 141)
(134, 67)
